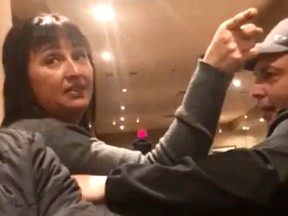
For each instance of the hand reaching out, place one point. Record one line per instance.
(233, 43)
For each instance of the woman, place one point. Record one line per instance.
(49, 88)
(50, 74)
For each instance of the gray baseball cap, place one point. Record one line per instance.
(275, 42)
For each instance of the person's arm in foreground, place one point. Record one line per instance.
(222, 181)
(238, 182)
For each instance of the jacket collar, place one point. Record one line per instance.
(281, 116)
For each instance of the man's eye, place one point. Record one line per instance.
(268, 74)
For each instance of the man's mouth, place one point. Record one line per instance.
(267, 108)
(268, 112)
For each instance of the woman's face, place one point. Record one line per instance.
(61, 78)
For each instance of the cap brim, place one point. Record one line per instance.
(263, 48)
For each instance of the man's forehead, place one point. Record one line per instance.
(268, 59)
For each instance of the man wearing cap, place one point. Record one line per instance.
(238, 182)
(271, 71)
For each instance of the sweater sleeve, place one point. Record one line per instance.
(190, 134)
(57, 194)
(192, 131)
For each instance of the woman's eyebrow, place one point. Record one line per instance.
(49, 46)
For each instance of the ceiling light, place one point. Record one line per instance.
(137, 120)
(114, 122)
(122, 118)
(103, 13)
(245, 117)
(122, 127)
(261, 120)
(124, 90)
(122, 107)
(106, 56)
(236, 83)
(220, 131)
(245, 128)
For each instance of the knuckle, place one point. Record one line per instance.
(232, 46)
(226, 36)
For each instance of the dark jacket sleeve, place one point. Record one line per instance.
(238, 179)
(229, 180)
(57, 194)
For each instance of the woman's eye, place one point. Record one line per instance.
(52, 59)
(79, 55)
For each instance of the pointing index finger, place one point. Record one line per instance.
(241, 18)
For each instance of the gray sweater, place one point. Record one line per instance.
(190, 134)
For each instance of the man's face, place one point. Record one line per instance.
(271, 84)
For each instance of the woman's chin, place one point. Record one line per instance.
(78, 104)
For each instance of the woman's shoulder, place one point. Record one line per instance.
(47, 124)
(37, 125)
(58, 135)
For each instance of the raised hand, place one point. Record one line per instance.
(234, 42)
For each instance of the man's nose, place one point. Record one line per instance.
(257, 91)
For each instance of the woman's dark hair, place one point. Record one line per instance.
(19, 100)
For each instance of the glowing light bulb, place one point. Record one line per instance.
(103, 13)
(107, 56)
(236, 83)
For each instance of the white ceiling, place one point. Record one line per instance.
(159, 42)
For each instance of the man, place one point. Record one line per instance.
(32, 180)
(239, 182)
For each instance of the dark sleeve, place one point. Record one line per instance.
(56, 192)
(229, 180)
